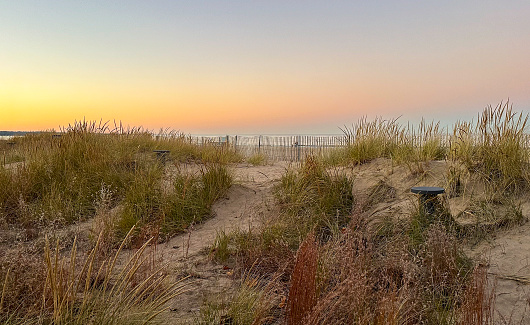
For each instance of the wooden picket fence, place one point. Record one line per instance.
(277, 147)
(292, 147)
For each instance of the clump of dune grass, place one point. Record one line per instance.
(429, 141)
(448, 274)
(367, 140)
(420, 145)
(315, 197)
(359, 286)
(60, 176)
(258, 159)
(163, 213)
(79, 289)
(495, 148)
(265, 252)
(193, 195)
(455, 177)
(484, 216)
(254, 302)
(422, 220)
(366, 280)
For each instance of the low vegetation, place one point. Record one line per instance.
(258, 159)
(343, 268)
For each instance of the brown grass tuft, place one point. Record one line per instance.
(360, 286)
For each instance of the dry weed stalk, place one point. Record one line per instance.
(440, 258)
(4, 287)
(479, 300)
(302, 295)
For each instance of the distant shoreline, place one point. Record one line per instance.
(15, 133)
(22, 133)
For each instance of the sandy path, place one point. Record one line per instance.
(247, 202)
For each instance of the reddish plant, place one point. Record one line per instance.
(302, 295)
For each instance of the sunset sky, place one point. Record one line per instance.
(246, 67)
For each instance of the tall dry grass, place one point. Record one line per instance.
(367, 140)
(81, 289)
(479, 300)
(495, 147)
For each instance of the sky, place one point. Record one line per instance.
(259, 67)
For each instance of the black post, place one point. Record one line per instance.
(427, 197)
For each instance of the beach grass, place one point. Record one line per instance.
(61, 177)
(86, 288)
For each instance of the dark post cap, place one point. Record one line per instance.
(427, 190)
